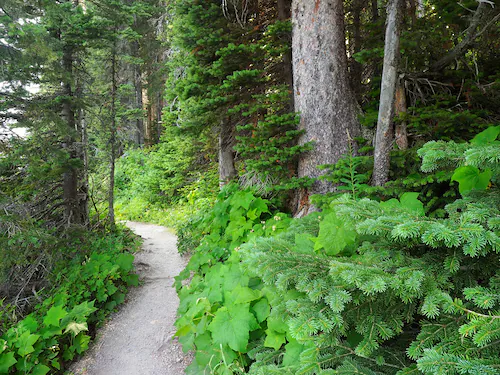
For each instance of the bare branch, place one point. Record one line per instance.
(482, 13)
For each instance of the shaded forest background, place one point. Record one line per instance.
(332, 167)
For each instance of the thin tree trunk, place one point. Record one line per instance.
(385, 130)
(420, 8)
(112, 141)
(356, 69)
(283, 15)
(72, 213)
(400, 108)
(148, 126)
(322, 90)
(84, 200)
(81, 148)
(159, 113)
(138, 96)
(375, 14)
(227, 171)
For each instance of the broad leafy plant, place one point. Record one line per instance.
(223, 310)
(58, 330)
(366, 286)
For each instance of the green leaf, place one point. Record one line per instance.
(334, 236)
(243, 294)
(242, 199)
(7, 360)
(119, 298)
(132, 280)
(3, 345)
(234, 277)
(25, 343)
(29, 323)
(80, 312)
(292, 353)
(76, 328)
(276, 323)
(470, 178)
(261, 309)
(410, 202)
(231, 326)
(486, 136)
(274, 339)
(125, 262)
(81, 343)
(40, 370)
(303, 243)
(389, 204)
(259, 205)
(54, 315)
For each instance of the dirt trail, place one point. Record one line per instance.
(138, 339)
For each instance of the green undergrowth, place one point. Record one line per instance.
(86, 284)
(157, 185)
(364, 287)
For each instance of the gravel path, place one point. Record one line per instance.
(138, 339)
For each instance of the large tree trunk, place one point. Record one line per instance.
(84, 183)
(385, 129)
(322, 91)
(227, 171)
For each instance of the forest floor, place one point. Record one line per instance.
(138, 339)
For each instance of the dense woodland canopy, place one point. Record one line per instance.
(332, 167)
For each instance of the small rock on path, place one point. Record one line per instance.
(138, 340)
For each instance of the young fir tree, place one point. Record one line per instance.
(380, 288)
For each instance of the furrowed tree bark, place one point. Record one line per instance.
(227, 171)
(385, 129)
(322, 90)
(84, 188)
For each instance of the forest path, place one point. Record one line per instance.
(137, 340)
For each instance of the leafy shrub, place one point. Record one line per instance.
(366, 287)
(88, 288)
(221, 307)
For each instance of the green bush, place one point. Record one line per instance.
(366, 287)
(89, 286)
(158, 186)
(222, 308)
